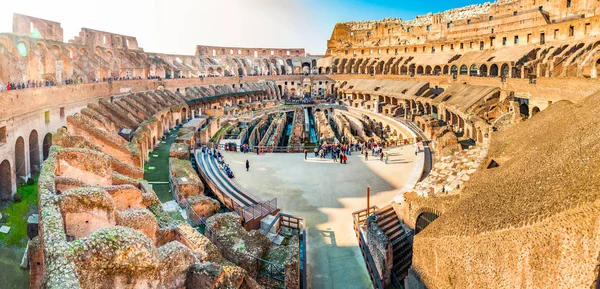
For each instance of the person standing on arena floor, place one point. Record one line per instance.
(247, 165)
(305, 153)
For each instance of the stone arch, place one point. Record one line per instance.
(5, 181)
(464, 70)
(427, 70)
(524, 109)
(473, 70)
(9, 44)
(446, 69)
(46, 146)
(494, 70)
(483, 70)
(505, 69)
(20, 163)
(411, 69)
(420, 69)
(437, 70)
(403, 70)
(454, 69)
(379, 68)
(424, 219)
(183, 114)
(42, 57)
(535, 110)
(34, 152)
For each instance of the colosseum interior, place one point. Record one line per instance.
(474, 132)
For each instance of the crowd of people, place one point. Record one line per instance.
(25, 85)
(214, 153)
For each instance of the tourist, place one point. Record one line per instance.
(416, 151)
(305, 153)
(381, 156)
(366, 155)
(247, 165)
(387, 156)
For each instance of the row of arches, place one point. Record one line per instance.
(27, 161)
(360, 66)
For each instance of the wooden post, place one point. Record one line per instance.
(368, 201)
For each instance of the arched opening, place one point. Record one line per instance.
(535, 110)
(494, 70)
(454, 69)
(463, 70)
(483, 70)
(428, 70)
(446, 69)
(473, 70)
(423, 220)
(403, 70)
(437, 70)
(20, 168)
(46, 146)
(5, 181)
(505, 69)
(411, 69)
(305, 68)
(420, 70)
(34, 152)
(524, 109)
(184, 114)
(379, 68)
(240, 71)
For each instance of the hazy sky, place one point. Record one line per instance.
(177, 26)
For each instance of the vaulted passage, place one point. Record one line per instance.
(20, 167)
(5, 181)
(34, 152)
(46, 146)
(423, 220)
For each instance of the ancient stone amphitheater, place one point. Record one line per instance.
(500, 100)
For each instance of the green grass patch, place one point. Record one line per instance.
(176, 215)
(220, 132)
(15, 216)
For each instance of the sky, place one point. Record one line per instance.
(177, 26)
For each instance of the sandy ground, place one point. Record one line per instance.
(325, 194)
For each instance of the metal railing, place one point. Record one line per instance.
(295, 224)
(269, 269)
(257, 211)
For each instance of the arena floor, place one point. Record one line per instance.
(325, 194)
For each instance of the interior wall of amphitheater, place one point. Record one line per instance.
(30, 116)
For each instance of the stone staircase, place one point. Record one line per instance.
(400, 238)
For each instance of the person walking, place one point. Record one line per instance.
(381, 156)
(247, 165)
(305, 153)
(366, 155)
(387, 157)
